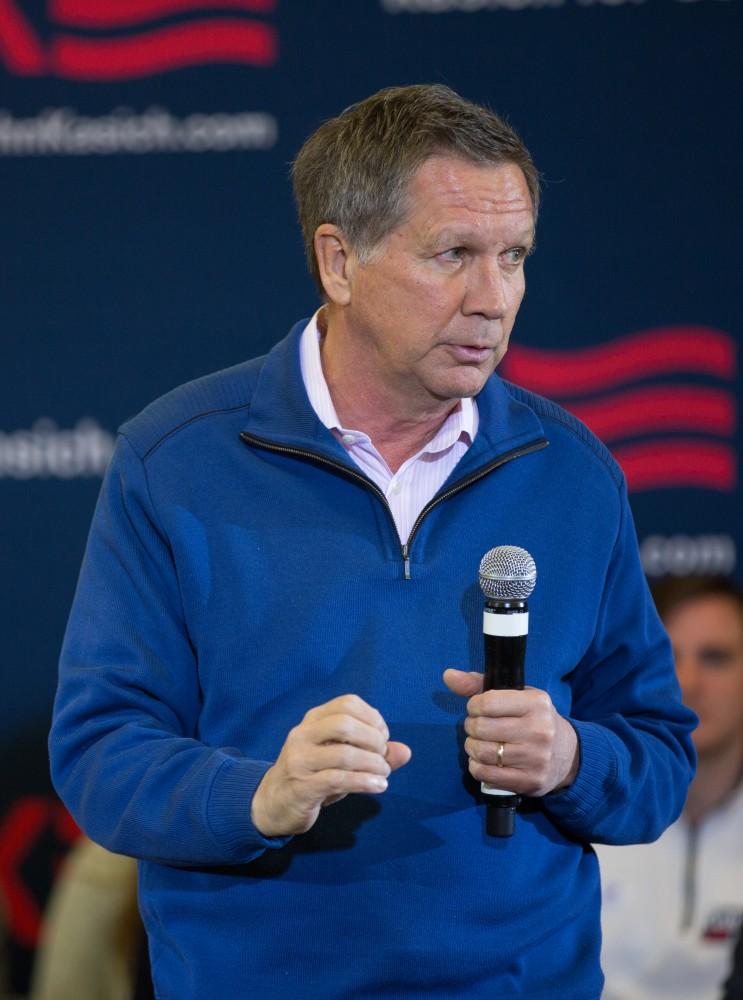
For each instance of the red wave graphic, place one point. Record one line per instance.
(681, 463)
(663, 351)
(660, 408)
(20, 49)
(119, 13)
(164, 49)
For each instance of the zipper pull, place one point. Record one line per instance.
(406, 562)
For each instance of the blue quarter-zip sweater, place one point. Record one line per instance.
(241, 570)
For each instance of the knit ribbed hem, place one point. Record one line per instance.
(228, 809)
(596, 774)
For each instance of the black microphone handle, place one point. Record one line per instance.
(505, 628)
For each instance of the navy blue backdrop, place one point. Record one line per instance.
(147, 235)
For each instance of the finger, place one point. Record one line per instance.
(465, 683)
(514, 754)
(353, 705)
(509, 702)
(398, 754)
(343, 757)
(496, 730)
(509, 779)
(335, 783)
(342, 728)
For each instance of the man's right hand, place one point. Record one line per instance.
(340, 747)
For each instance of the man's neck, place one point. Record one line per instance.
(398, 427)
(717, 776)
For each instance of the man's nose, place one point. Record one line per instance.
(486, 290)
(688, 677)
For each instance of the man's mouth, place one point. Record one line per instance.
(470, 353)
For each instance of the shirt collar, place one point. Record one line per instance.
(460, 424)
(314, 377)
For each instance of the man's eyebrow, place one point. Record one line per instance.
(449, 236)
(454, 236)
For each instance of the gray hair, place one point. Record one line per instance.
(354, 170)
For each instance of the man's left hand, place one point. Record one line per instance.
(540, 747)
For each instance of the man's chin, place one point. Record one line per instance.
(449, 393)
(466, 382)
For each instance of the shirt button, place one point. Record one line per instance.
(395, 488)
(348, 439)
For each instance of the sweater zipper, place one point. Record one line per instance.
(535, 445)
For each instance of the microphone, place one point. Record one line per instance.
(507, 578)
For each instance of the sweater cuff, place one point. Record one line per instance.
(596, 776)
(228, 809)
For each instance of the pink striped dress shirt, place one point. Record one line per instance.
(420, 477)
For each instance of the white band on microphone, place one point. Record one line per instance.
(494, 623)
(492, 790)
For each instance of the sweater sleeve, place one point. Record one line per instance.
(636, 754)
(124, 751)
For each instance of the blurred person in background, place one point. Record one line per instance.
(92, 944)
(672, 909)
(734, 984)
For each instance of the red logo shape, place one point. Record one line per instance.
(124, 13)
(656, 412)
(663, 351)
(26, 822)
(189, 42)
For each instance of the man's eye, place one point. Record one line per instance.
(515, 255)
(455, 253)
(715, 657)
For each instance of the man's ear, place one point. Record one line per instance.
(335, 261)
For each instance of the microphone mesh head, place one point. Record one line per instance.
(507, 573)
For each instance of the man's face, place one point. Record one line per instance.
(707, 638)
(434, 309)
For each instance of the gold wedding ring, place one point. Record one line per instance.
(499, 755)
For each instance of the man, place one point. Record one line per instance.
(284, 561)
(672, 909)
